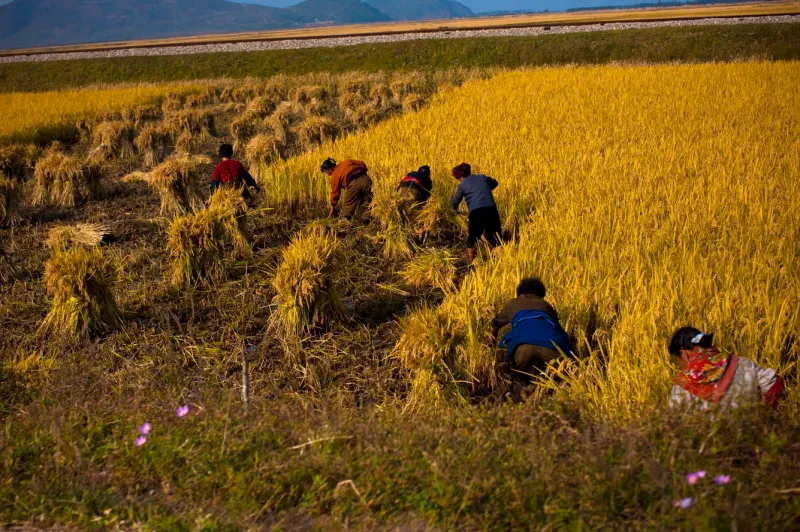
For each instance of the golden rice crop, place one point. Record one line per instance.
(81, 282)
(646, 198)
(197, 123)
(306, 284)
(204, 244)
(65, 180)
(41, 116)
(394, 234)
(243, 128)
(176, 181)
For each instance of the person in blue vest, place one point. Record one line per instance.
(536, 337)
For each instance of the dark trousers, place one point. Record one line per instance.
(484, 222)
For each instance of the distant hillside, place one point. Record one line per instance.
(30, 23)
(421, 9)
(25, 23)
(337, 11)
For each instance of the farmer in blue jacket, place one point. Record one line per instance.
(536, 336)
(484, 220)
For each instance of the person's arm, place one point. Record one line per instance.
(336, 192)
(502, 319)
(492, 183)
(215, 180)
(248, 179)
(772, 386)
(455, 201)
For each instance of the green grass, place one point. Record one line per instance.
(709, 43)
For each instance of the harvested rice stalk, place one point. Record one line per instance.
(308, 93)
(408, 83)
(262, 151)
(381, 95)
(428, 351)
(195, 122)
(113, 139)
(306, 284)
(81, 234)
(431, 267)
(203, 244)
(366, 115)
(394, 232)
(243, 129)
(413, 102)
(152, 143)
(15, 158)
(81, 282)
(262, 107)
(316, 130)
(60, 179)
(176, 181)
(11, 198)
(436, 218)
(172, 103)
(349, 102)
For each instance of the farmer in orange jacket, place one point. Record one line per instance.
(351, 187)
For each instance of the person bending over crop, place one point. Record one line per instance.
(351, 187)
(231, 173)
(709, 377)
(416, 186)
(536, 336)
(484, 220)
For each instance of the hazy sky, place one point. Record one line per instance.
(484, 5)
(498, 5)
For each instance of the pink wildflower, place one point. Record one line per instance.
(683, 503)
(722, 480)
(182, 411)
(145, 429)
(141, 440)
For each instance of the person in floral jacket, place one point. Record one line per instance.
(709, 377)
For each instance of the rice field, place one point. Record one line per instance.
(42, 116)
(172, 359)
(646, 198)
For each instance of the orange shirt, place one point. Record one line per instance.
(339, 177)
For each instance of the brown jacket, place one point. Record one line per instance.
(523, 302)
(340, 176)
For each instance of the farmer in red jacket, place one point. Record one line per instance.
(231, 173)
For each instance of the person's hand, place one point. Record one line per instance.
(332, 213)
(492, 338)
(258, 188)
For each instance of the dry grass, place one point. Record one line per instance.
(64, 180)
(81, 283)
(203, 245)
(14, 159)
(243, 128)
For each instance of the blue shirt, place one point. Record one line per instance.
(477, 189)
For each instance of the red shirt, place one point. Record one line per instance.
(229, 171)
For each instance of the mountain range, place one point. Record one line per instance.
(30, 23)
